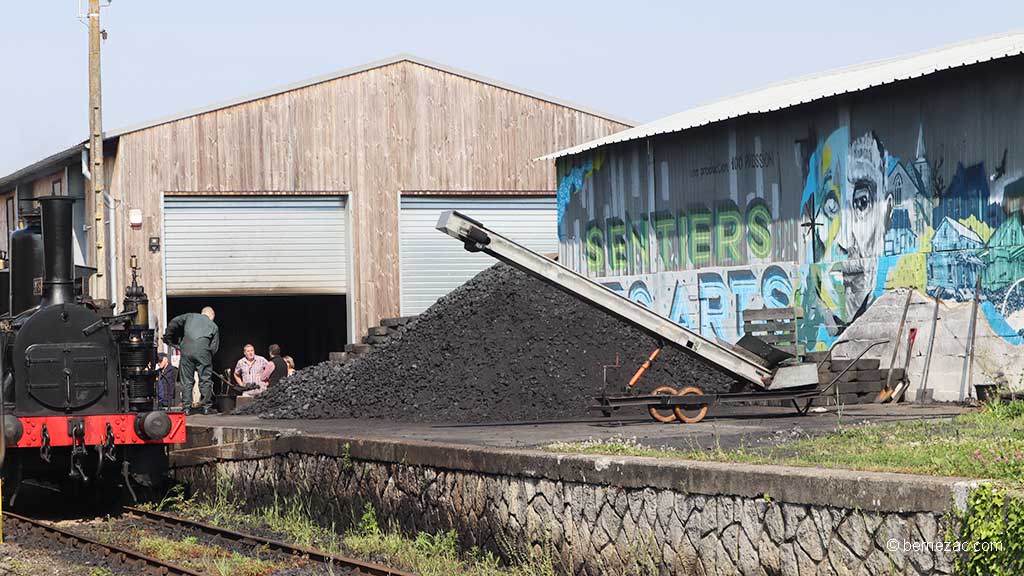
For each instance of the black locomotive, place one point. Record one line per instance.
(78, 380)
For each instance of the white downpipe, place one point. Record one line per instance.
(112, 291)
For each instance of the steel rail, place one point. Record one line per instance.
(122, 555)
(173, 520)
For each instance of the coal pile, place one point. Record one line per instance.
(503, 347)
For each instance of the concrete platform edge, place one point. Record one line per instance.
(875, 491)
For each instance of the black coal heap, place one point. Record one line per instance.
(503, 347)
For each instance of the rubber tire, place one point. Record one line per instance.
(678, 410)
(655, 412)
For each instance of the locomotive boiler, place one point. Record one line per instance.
(78, 379)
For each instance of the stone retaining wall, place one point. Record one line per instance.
(603, 515)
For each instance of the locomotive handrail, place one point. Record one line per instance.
(26, 313)
(107, 321)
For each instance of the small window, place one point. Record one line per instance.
(55, 188)
(897, 185)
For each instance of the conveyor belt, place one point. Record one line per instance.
(740, 364)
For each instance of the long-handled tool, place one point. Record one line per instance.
(922, 390)
(904, 383)
(968, 375)
(886, 392)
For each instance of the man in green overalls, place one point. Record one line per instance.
(198, 338)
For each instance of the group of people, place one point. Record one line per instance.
(254, 374)
(198, 338)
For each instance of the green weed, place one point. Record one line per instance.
(988, 443)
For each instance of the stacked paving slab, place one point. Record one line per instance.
(375, 337)
(859, 385)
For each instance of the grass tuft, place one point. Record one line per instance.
(987, 443)
(425, 554)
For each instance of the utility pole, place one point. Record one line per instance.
(96, 146)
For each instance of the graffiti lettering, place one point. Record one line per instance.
(698, 238)
(735, 164)
(759, 220)
(617, 244)
(729, 227)
(719, 298)
(867, 220)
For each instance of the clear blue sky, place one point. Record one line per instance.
(640, 60)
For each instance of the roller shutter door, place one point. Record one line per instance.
(242, 245)
(432, 264)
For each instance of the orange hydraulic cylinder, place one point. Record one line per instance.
(647, 364)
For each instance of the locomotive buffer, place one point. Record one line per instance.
(751, 361)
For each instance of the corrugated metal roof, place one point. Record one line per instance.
(42, 167)
(818, 86)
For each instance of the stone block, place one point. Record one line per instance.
(787, 558)
(768, 555)
(895, 528)
(747, 560)
(750, 520)
(809, 540)
(774, 524)
(854, 533)
(792, 515)
(805, 564)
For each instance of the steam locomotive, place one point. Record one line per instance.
(78, 380)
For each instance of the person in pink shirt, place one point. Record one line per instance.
(249, 372)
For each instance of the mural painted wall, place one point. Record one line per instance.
(824, 207)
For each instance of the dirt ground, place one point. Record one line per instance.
(35, 561)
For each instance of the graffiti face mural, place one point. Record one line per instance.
(866, 208)
(864, 199)
(702, 229)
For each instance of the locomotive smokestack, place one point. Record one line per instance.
(58, 262)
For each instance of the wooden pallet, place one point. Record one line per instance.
(776, 326)
(858, 385)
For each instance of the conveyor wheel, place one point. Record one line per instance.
(689, 414)
(666, 414)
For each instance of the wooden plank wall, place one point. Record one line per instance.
(37, 188)
(373, 134)
(44, 186)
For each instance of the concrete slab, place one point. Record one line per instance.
(725, 427)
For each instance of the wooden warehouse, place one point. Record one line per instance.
(303, 214)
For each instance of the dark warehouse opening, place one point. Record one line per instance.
(307, 327)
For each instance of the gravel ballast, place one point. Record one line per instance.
(503, 347)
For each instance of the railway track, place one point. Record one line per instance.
(356, 566)
(16, 524)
